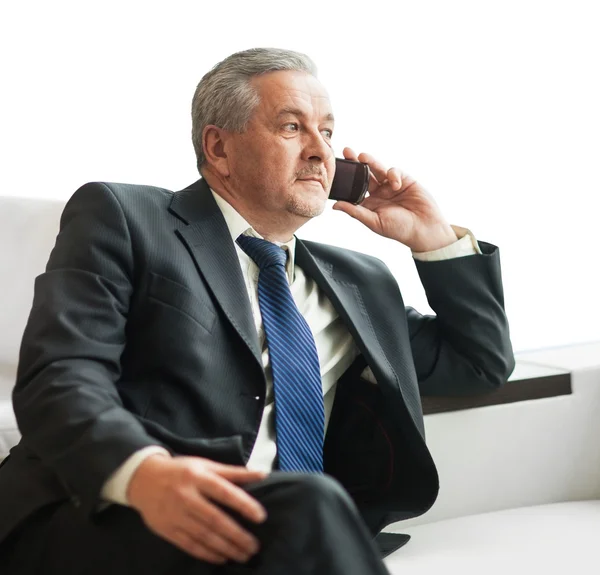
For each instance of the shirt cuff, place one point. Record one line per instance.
(115, 487)
(466, 245)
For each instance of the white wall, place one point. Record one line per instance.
(493, 106)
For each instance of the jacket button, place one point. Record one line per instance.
(76, 501)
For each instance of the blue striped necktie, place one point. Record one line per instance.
(299, 413)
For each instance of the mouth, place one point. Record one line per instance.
(315, 180)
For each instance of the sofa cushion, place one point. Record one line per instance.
(8, 375)
(555, 538)
(28, 229)
(9, 434)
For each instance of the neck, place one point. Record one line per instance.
(273, 226)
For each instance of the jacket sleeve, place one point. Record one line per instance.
(65, 399)
(465, 348)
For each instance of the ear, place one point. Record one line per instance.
(213, 143)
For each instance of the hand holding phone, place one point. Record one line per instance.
(351, 181)
(397, 207)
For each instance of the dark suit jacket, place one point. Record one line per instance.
(141, 333)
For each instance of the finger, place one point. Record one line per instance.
(374, 181)
(203, 512)
(376, 167)
(237, 473)
(209, 537)
(350, 154)
(223, 491)
(394, 179)
(194, 548)
(363, 215)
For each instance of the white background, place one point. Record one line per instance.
(493, 106)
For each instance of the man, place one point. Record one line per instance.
(199, 391)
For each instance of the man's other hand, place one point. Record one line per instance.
(178, 499)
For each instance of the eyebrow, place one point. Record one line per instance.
(298, 112)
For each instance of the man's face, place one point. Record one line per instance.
(283, 163)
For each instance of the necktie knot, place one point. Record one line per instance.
(264, 253)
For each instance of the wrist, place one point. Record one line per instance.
(143, 476)
(435, 238)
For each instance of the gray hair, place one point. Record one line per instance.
(225, 97)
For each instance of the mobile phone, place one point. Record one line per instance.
(351, 181)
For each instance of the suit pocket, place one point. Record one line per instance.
(177, 296)
(228, 449)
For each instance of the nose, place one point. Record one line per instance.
(316, 148)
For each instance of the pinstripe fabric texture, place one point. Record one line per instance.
(299, 412)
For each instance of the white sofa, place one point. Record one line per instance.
(28, 228)
(520, 482)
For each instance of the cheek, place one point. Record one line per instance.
(248, 162)
(272, 161)
(283, 160)
(330, 167)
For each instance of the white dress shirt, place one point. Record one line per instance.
(335, 346)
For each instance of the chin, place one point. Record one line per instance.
(307, 207)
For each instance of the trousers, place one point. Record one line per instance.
(313, 527)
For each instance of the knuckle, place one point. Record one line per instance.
(189, 474)
(224, 536)
(201, 552)
(223, 492)
(197, 549)
(230, 530)
(183, 499)
(213, 520)
(178, 491)
(220, 523)
(197, 531)
(220, 546)
(239, 536)
(216, 542)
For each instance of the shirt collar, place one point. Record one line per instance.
(237, 225)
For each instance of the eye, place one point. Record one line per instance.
(328, 133)
(291, 127)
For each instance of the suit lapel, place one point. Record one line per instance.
(347, 299)
(348, 302)
(207, 239)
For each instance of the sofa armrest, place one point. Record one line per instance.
(524, 453)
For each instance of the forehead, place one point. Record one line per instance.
(291, 89)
